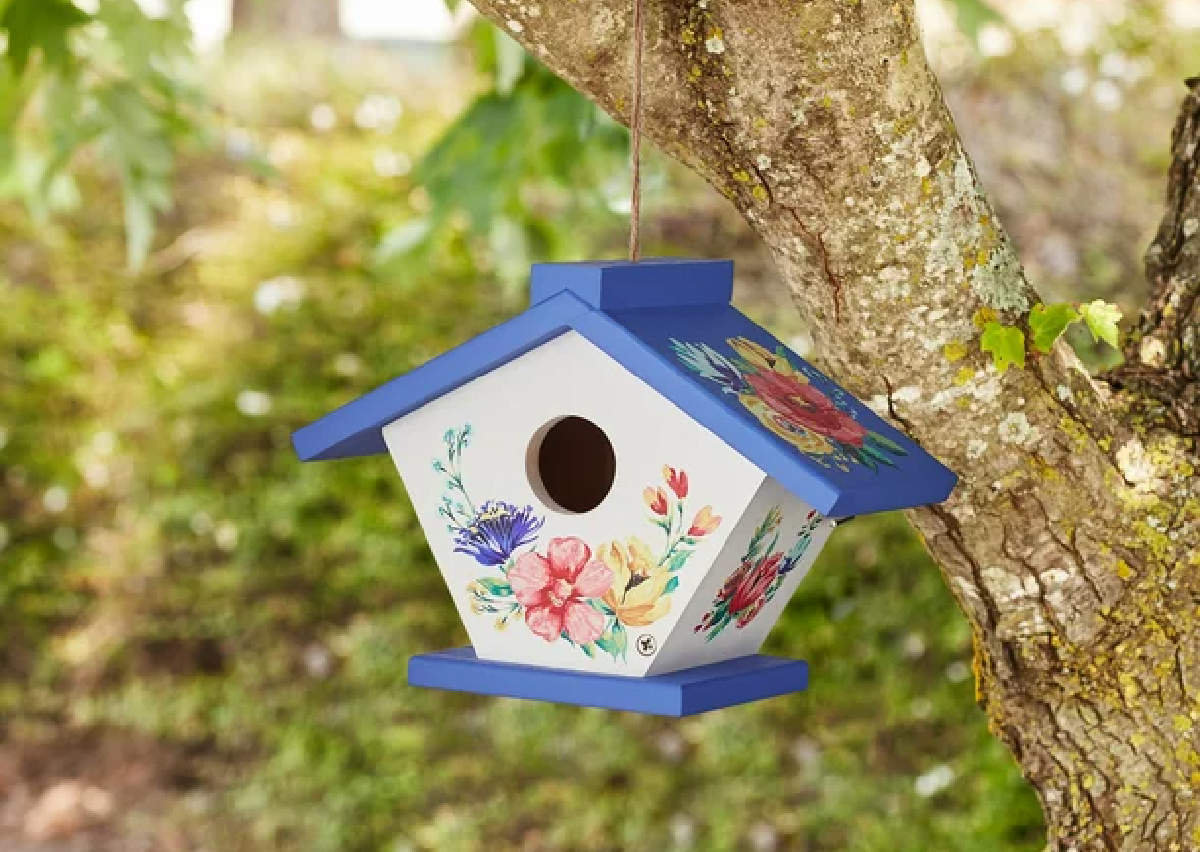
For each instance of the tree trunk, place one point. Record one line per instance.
(314, 18)
(1072, 541)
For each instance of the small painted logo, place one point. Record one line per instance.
(647, 645)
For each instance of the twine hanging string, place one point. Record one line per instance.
(635, 142)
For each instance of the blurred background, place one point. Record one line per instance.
(219, 221)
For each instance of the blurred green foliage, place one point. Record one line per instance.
(117, 83)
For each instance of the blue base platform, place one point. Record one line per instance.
(683, 693)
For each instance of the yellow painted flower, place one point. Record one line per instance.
(803, 439)
(762, 358)
(639, 591)
(704, 523)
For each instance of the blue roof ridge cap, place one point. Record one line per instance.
(626, 285)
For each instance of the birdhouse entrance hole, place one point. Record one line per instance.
(571, 464)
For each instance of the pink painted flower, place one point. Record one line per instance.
(554, 589)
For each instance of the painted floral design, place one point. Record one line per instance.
(570, 592)
(492, 533)
(758, 577)
(786, 401)
(556, 590)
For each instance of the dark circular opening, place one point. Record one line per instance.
(572, 464)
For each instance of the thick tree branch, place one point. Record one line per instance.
(1066, 543)
(1162, 369)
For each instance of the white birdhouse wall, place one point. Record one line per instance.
(494, 470)
(762, 563)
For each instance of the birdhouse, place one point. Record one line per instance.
(624, 485)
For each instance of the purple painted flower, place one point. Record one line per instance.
(496, 532)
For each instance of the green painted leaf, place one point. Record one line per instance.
(1006, 344)
(496, 587)
(678, 560)
(876, 455)
(1048, 322)
(1102, 318)
(620, 639)
(40, 25)
(864, 458)
(887, 443)
(671, 585)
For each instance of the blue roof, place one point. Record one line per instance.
(670, 322)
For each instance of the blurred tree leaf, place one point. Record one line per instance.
(40, 25)
(510, 62)
(519, 153)
(972, 15)
(125, 86)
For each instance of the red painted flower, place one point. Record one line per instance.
(677, 480)
(656, 499)
(554, 590)
(797, 402)
(749, 593)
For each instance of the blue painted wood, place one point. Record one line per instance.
(639, 314)
(683, 693)
(650, 283)
(917, 479)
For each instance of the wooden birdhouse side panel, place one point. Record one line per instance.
(596, 591)
(763, 562)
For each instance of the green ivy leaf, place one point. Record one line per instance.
(40, 25)
(1006, 343)
(1048, 322)
(1102, 318)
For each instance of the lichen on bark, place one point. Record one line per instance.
(1070, 542)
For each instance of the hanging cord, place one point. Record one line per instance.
(635, 142)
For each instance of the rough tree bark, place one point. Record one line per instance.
(1073, 541)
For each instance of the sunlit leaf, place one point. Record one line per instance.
(1048, 322)
(1101, 318)
(42, 25)
(1005, 343)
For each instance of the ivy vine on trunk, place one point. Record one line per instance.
(1072, 541)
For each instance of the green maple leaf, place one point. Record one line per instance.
(1006, 343)
(1102, 318)
(42, 25)
(1048, 322)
